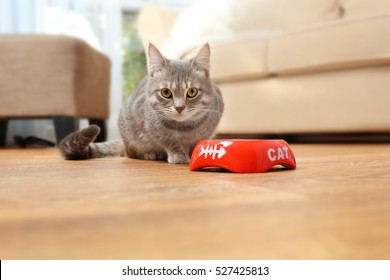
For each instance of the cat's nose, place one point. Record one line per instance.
(179, 109)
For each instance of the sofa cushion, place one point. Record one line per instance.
(155, 24)
(240, 57)
(201, 22)
(348, 43)
(353, 8)
(282, 14)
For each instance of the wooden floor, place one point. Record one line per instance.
(335, 205)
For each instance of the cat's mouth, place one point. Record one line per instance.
(183, 125)
(180, 116)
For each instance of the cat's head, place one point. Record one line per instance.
(180, 90)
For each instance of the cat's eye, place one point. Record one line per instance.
(166, 93)
(192, 92)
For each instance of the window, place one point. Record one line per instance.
(133, 60)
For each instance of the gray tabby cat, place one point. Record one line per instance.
(173, 107)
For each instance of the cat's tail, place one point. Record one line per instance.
(79, 145)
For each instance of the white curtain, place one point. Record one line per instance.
(96, 21)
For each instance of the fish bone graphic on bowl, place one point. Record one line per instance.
(218, 150)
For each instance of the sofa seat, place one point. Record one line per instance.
(342, 101)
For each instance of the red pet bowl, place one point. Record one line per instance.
(242, 156)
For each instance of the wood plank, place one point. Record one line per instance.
(335, 205)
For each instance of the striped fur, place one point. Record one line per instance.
(154, 125)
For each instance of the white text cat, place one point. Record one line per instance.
(280, 153)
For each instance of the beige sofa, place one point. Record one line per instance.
(325, 69)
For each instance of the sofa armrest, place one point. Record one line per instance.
(155, 24)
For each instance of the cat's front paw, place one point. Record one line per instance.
(179, 158)
(153, 156)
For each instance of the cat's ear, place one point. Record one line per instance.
(202, 58)
(156, 60)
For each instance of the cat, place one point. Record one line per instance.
(173, 107)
